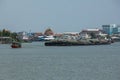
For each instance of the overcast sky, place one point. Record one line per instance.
(60, 15)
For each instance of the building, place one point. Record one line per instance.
(111, 29)
(5, 40)
(48, 32)
(116, 30)
(23, 35)
(85, 34)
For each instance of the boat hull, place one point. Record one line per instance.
(13, 46)
(76, 43)
(16, 45)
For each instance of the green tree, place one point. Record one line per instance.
(14, 36)
(5, 33)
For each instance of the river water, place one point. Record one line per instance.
(34, 61)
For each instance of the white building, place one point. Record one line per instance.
(87, 33)
(111, 29)
(23, 35)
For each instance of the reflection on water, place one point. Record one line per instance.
(34, 61)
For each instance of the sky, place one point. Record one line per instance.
(59, 15)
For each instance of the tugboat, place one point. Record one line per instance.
(16, 45)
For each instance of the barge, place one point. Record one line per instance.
(77, 43)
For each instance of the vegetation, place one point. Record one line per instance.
(7, 33)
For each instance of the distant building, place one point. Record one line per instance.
(37, 34)
(71, 33)
(85, 34)
(23, 35)
(116, 30)
(48, 32)
(5, 40)
(111, 29)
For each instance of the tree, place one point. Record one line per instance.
(5, 33)
(14, 36)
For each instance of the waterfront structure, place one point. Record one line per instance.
(23, 36)
(45, 38)
(86, 34)
(111, 29)
(69, 36)
(116, 30)
(36, 34)
(48, 32)
(71, 33)
(86, 37)
(5, 40)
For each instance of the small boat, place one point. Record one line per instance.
(16, 45)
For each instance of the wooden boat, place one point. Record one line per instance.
(16, 45)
